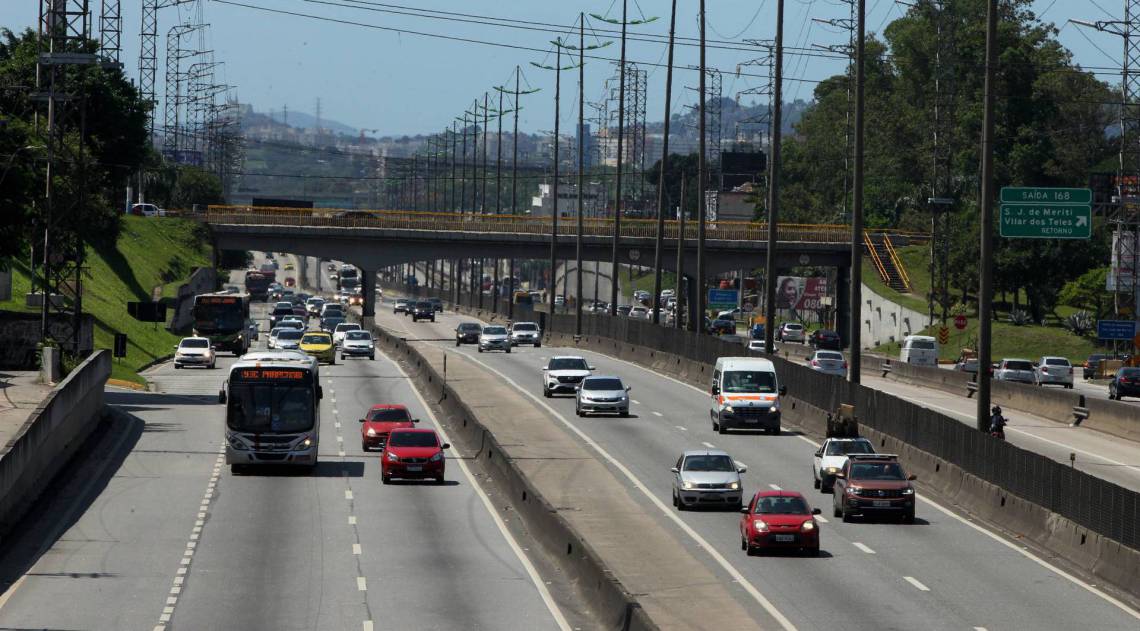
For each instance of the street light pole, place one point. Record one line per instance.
(856, 318)
(621, 135)
(985, 284)
(662, 200)
(697, 316)
(774, 183)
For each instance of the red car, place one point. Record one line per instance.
(779, 519)
(379, 422)
(413, 454)
(290, 281)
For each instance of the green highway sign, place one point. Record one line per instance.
(1038, 195)
(1046, 221)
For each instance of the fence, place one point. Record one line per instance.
(1096, 504)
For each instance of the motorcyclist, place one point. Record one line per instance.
(997, 423)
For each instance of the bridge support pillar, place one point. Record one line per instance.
(692, 286)
(368, 290)
(843, 305)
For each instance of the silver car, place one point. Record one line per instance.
(602, 395)
(494, 338)
(1019, 370)
(526, 333)
(1054, 370)
(828, 363)
(707, 477)
(790, 332)
(288, 339)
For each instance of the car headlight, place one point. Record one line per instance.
(393, 457)
(854, 489)
(833, 469)
(760, 525)
(728, 408)
(686, 484)
(734, 486)
(908, 491)
(436, 457)
(306, 443)
(371, 346)
(371, 432)
(808, 526)
(237, 444)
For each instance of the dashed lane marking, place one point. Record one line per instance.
(914, 581)
(681, 428)
(863, 547)
(655, 413)
(775, 487)
(709, 445)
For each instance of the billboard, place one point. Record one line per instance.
(800, 294)
(1124, 252)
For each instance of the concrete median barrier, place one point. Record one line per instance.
(50, 436)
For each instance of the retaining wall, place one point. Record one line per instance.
(52, 433)
(202, 281)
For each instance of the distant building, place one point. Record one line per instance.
(593, 200)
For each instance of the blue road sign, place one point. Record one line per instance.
(722, 298)
(1115, 329)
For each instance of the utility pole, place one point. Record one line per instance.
(662, 199)
(474, 157)
(514, 174)
(856, 275)
(774, 184)
(557, 68)
(454, 146)
(486, 125)
(697, 317)
(616, 245)
(677, 319)
(581, 171)
(463, 166)
(985, 269)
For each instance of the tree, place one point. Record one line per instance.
(1088, 292)
(680, 168)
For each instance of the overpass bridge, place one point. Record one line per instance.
(372, 240)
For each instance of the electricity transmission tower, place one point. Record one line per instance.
(110, 30)
(148, 53)
(175, 98)
(1124, 215)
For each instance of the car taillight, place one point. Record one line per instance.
(1070, 370)
(844, 365)
(814, 363)
(1044, 371)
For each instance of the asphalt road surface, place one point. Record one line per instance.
(943, 572)
(151, 531)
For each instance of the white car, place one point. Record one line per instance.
(356, 344)
(271, 340)
(829, 458)
(758, 346)
(1054, 370)
(288, 339)
(526, 333)
(147, 210)
(341, 329)
(563, 374)
(639, 313)
(828, 363)
(1019, 370)
(194, 351)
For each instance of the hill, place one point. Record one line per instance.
(152, 254)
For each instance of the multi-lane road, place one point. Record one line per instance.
(152, 531)
(945, 572)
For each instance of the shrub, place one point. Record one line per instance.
(1020, 317)
(1080, 323)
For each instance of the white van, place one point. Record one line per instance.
(920, 350)
(745, 395)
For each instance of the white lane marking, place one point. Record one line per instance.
(709, 445)
(657, 414)
(337, 424)
(356, 549)
(367, 625)
(996, 537)
(635, 401)
(914, 581)
(340, 453)
(980, 629)
(862, 546)
(540, 585)
(352, 520)
(775, 487)
(681, 428)
(340, 439)
(669, 513)
(821, 519)
(347, 494)
(361, 584)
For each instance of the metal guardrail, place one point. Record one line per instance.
(520, 224)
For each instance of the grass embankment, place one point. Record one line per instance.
(151, 253)
(1028, 342)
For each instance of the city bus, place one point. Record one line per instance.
(272, 401)
(224, 319)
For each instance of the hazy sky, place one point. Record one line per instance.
(402, 83)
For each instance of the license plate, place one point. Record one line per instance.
(414, 468)
(881, 503)
(784, 538)
(751, 420)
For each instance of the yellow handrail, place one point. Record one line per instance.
(897, 262)
(520, 224)
(875, 257)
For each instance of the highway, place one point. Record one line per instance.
(153, 532)
(945, 572)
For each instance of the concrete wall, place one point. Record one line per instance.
(886, 321)
(52, 433)
(203, 281)
(21, 334)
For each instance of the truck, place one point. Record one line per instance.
(347, 272)
(257, 285)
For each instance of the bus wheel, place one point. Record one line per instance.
(236, 469)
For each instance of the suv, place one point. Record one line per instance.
(790, 332)
(467, 333)
(423, 310)
(436, 303)
(1019, 370)
(402, 305)
(526, 333)
(563, 374)
(280, 310)
(831, 455)
(1055, 370)
(1092, 364)
(871, 484)
(824, 339)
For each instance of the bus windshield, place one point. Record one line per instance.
(220, 316)
(270, 407)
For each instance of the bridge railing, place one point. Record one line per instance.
(519, 224)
